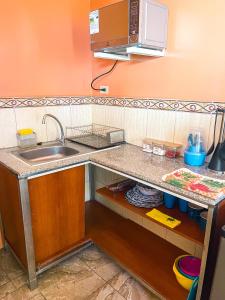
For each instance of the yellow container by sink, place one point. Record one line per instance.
(25, 131)
(26, 138)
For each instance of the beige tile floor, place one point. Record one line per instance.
(88, 275)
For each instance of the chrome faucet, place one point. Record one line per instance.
(62, 138)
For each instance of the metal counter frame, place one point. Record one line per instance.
(210, 220)
(33, 272)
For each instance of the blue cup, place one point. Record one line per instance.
(194, 158)
(194, 211)
(169, 200)
(183, 205)
(203, 220)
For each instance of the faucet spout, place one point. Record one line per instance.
(62, 135)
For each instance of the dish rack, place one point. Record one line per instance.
(95, 135)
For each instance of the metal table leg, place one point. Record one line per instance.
(205, 251)
(29, 244)
(91, 181)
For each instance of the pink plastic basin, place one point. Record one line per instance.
(190, 265)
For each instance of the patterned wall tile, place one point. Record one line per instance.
(137, 116)
(7, 103)
(187, 122)
(7, 128)
(63, 114)
(81, 115)
(31, 117)
(144, 103)
(135, 125)
(114, 116)
(161, 125)
(161, 104)
(99, 114)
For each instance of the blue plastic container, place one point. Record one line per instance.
(194, 211)
(183, 205)
(194, 158)
(203, 219)
(169, 200)
(193, 291)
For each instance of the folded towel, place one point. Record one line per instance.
(163, 218)
(203, 185)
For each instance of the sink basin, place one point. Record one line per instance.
(46, 154)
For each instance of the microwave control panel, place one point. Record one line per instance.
(133, 19)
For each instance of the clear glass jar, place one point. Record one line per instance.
(147, 146)
(25, 141)
(173, 152)
(159, 149)
(195, 142)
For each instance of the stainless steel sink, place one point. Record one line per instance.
(45, 154)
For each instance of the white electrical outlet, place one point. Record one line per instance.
(106, 87)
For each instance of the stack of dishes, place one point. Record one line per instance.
(187, 270)
(144, 196)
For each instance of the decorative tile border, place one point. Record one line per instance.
(146, 103)
(161, 104)
(46, 101)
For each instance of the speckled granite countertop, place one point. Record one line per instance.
(133, 161)
(128, 159)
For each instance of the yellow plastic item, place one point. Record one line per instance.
(25, 131)
(182, 280)
(163, 218)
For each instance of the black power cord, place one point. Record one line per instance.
(103, 90)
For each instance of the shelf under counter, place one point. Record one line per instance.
(139, 251)
(188, 229)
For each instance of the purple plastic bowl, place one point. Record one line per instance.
(190, 265)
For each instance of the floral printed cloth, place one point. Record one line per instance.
(203, 185)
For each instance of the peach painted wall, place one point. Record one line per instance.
(44, 48)
(194, 67)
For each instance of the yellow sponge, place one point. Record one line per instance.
(163, 218)
(25, 131)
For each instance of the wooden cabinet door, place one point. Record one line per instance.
(57, 209)
(11, 213)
